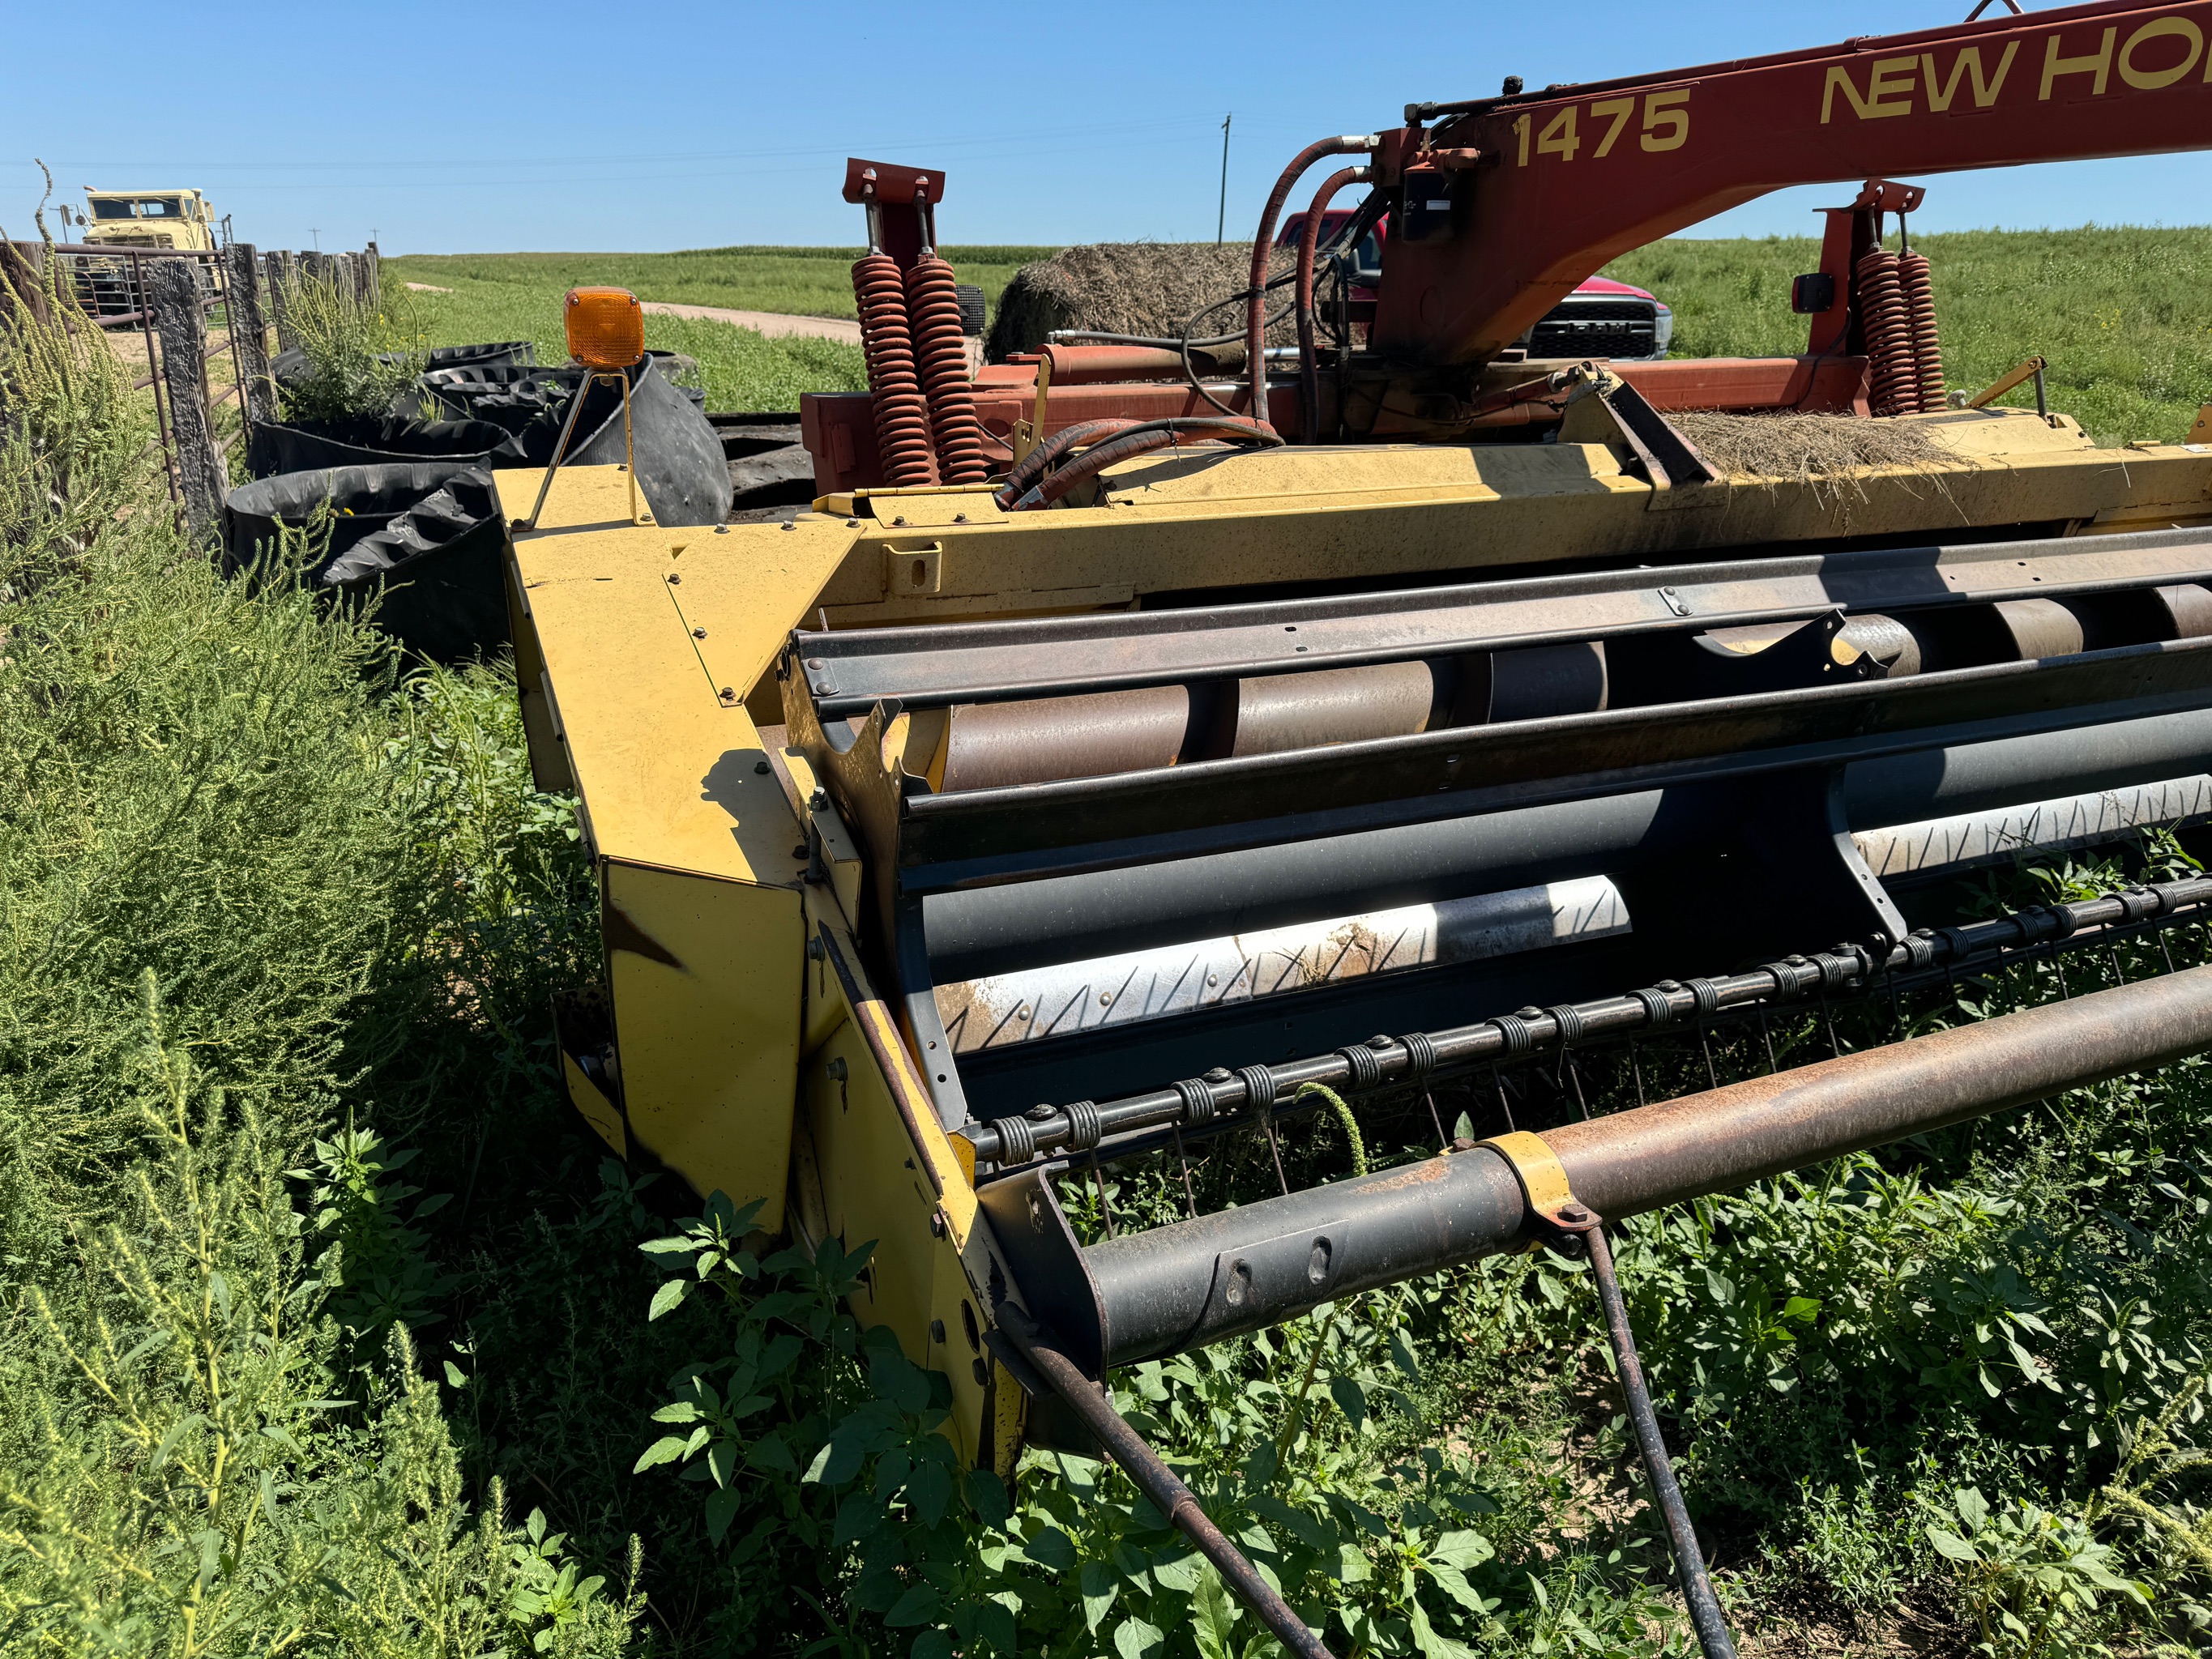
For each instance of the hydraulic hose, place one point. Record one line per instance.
(1263, 244)
(1141, 439)
(1035, 464)
(1309, 240)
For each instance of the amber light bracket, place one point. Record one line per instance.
(606, 334)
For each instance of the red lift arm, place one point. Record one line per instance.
(1569, 178)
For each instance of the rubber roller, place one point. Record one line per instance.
(995, 745)
(1270, 713)
(1533, 684)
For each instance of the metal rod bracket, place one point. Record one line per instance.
(1557, 1217)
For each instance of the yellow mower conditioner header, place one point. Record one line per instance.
(747, 1038)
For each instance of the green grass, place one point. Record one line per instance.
(741, 369)
(2120, 314)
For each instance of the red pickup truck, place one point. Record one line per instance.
(1600, 319)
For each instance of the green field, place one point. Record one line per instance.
(2120, 314)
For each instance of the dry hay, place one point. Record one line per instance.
(1807, 448)
(1131, 287)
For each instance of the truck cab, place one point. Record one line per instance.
(149, 218)
(1600, 319)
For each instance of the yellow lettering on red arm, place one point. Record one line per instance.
(1890, 91)
(1889, 77)
(1666, 125)
(1619, 109)
(2179, 29)
(2097, 64)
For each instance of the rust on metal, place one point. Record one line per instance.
(1660, 1154)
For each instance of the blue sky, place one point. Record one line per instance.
(454, 128)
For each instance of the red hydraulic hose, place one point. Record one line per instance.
(1255, 308)
(1309, 242)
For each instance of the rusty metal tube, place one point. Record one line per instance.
(1706, 1143)
(1309, 243)
(1196, 1282)
(990, 745)
(1255, 320)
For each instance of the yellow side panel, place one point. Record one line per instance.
(670, 773)
(873, 1188)
(594, 1107)
(707, 982)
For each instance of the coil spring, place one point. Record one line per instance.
(901, 415)
(1920, 318)
(1896, 389)
(933, 306)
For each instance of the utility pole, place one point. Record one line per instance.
(1222, 223)
(318, 235)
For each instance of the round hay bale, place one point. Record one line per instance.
(1131, 287)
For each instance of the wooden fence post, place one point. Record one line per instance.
(249, 333)
(22, 280)
(372, 263)
(182, 326)
(280, 289)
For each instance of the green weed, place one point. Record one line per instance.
(360, 355)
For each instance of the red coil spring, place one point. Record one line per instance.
(901, 415)
(1882, 315)
(1920, 318)
(933, 301)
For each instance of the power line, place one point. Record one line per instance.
(1221, 222)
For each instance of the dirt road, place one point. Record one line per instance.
(773, 323)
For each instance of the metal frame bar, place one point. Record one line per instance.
(1159, 1483)
(849, 672)
(977, 836)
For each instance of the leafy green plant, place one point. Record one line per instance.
(821, 1441)
(2176, 1533)
(2032, 1580)
(211, 1495)
(360, 355)
(376, 1267)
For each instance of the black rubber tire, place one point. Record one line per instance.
(971, 307)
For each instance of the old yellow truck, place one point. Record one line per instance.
(129, 220)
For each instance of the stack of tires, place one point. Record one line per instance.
(424, 542)
(406, 499)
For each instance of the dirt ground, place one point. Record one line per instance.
(773, 323)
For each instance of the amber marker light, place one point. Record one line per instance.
(606, 328)
(606, 334)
